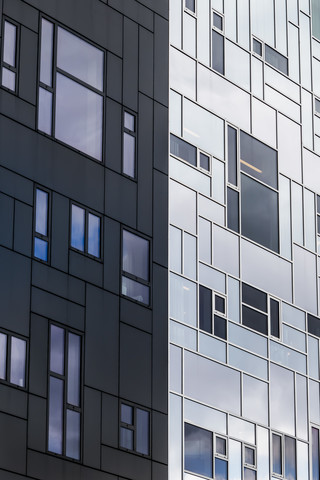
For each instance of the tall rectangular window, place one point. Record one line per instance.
(135, 267)
(9, 55)
(13, 354)
(71, 102)
(65, 401)
(85, 231)
(134, 429)
(129, 144)
(41, 225)
(218, 52)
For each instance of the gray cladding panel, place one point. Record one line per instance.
(13, 436)
(60, 232)
(13, 401)
(126, 464)
(37, 435)
(121, 198)
(130, 65)
(28, 65)
(91, 428)
(22, 13)
(38, 355)
(22, 228)
(110, 422)
(145, 62)
(6, 220)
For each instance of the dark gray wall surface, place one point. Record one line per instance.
(125, 342)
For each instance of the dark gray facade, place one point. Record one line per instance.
(123, 340)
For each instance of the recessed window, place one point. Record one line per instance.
(70, 105)
(13, 352)
(135, 267)
(41, 225)
(217, 21)
(134, 429)
(204, 161)
(129, 144)
(9, 55)
(65, 395)
(257, 47)
(233, 209)
(208, 322)
(85, 231)
(255, 310)
(220, 304)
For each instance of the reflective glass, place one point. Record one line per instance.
(219, 304)
(254, 297)
(78, 118)
(126, 414)
(274, 318)
(282, 399)
(41, 249)
(41, 212)
(94, 235)
(262, 453)
(297, 214)
(241, 429)
(235, 460)
(309, 219)
(183, 300)
(220, 327)
(237, 63)
(57, 349)
(191, 5)
(232, 156)
(293, 50)
(257, 47)
(248, 340)
(218, 183)
(205, 309)
(248, 362)
(182, 149)
(74, 359)
(183, 336)
(55, 436)
(259, 213)
(276, 59)
(285, 216)
(249, 456)
(126, 438)
(217, 21)
(294, 338)
(230, 16)
(212, 278)
(175, 437)
(129, 121)
(315, 454)
(45, 111)
(135, 255)
(182, 73)
(302, 460)
(135, 290)
(313, 357)
(276, 454)
(198, 450)
(249, 474)
(175, 368)
(262, 19)
(204, 162)
(304, 275)
(220, 469)
(77, 227)
(175, 113)
(290, 458)
(302, 408)
(258, 160)
(8, 79)
(190, 177)
(255, 320)
(129, 154)
(175, 248)
(142, 431)
(9, 47)
(217, 52)
(189, 34)
(233, 209)
(255, 403)
(205, 240)
(314, 325)
(316, 20)
(233, 300)
(212, 347)
(73, 435)
(46, 55)
(288, 357)
(205, 417)
(221, 446)
(183, 207)
(305, 47)
(80, 59)
(18, 361)
(314, 402)
(282, 103)
(3, 356)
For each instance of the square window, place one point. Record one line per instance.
(220, 304)
(191, 5)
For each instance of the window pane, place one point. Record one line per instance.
(74, 362)
(258, 160)
(315, 454)
(129, 121)
(94, 235)
(129, 147)
(221, 446)
(254, 297)
(276, 59)
(191, 5)
(259, 213)
(55, 435)
(135, 255)
(314, 325)
(217, 21)
(219, 304)
(198, 450)
(126, 438)
(142, 432)
(3, 356)
(126, 414)
(249, 456)
(190, 256)
(57, 349)
(80, 59)
(257, 47)
(9, 48)
(221, 469)
(204, 162)
(276, 454)
(8, 79)
(290, 458)
(182, 149)
(274, 318)
(46, 52)
(45, 111)
(41, 212)
(233, 209)
(255, 320)
(249, 474)
(232, 156)
(18, 361)
(135, 290)
(77, 227)
(220, 327)
(217, 52)
(41, 249)
(183, 300)
(79, 113)
(205, 309)
(73, 435)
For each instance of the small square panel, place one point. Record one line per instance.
(127, 414)
(220, 304)
(217, 21)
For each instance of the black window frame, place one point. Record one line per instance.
(6, 380)
(133, 428)
(14, 69)
(133, 134)
(87, 211)
(45, 238)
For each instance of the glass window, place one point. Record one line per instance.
(232, 156)
(182, 149)
(221, 446)
(276, 59)
(255, 320)
(45, 111)
(129, 144)
(217, 21)
(221, 469)
(276, 454)
(205, 309)
(9, 54)
(134, 429)
(315, 454)
(254, 297)
(191, 5)
(220, 327)
(317, 105)
(77, 227)
(85, 231)
(314, 325)
(204, 161)
(46, 54)
(3, 356)
(217, 52)
(41, 225)
(233, 209)
(290, 458)
(135, 264)
(94, 235)
(198, 454)
(18, 361)
(257, 47)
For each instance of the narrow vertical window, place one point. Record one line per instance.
(274, 318)
(290, 458)
(129, 144)
(77, 227)
(85, 231)
(198, 450)
(233, 209)
(13, 357)
(41, 225)
(232, 156)
(135, 429)
(3, 356)
(315, 454)
(205, 309)
(64, 393)
(217, 52)
(9, 56)
(276, 454)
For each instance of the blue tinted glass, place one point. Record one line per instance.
(221, 469)
(255, 320)
(142, 432)
(77, 227)
(198, 450)
(73, 435)
(127, 414)
(41, 249)
(94, 235)
(57, 349)
(126, 438)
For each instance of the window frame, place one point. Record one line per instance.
(45, 238)
(6, 380)
(262, 57)
(66, 406)
(133, 428)
(87, 211)
(53, 89)
(188, 10)
(133, 134)
(14, 69)
(198, 151)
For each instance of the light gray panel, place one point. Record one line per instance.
(305, 279)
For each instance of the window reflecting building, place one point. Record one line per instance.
(244, 171)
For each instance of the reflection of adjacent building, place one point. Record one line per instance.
(244, 195)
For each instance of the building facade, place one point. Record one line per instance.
(244, 239)
(83, 239)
